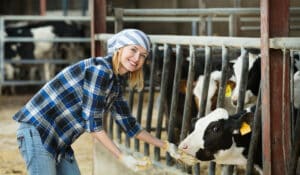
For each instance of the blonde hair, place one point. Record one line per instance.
(135, 79)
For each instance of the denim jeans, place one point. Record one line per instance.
(37, 159)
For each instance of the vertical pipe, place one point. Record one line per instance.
(84, 4)
(151, 96)
(265, 85)
(255, 136)
(174, 101)
(43, 7)
(130, 104)
(139, 116)
(209, 26)
(2, 54)
(167, 54)
(221, 93)
(98, 25)
(65, 6)
(194, 28)
(118, 12)
(207, 70)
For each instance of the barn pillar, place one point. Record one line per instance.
(98, 25)
(275, 88)
(43, 7)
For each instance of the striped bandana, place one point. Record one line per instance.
(127, 37)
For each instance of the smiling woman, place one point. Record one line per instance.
(75, 101)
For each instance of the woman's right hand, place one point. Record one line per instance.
(135, 164)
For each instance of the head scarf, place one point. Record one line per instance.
(127, 37)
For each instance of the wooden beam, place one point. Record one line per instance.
(275, 88)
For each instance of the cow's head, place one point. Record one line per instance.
(214, 137)
(253, 78)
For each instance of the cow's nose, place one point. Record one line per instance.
(184, 146)
(234, 100)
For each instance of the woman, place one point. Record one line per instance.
(75, 101)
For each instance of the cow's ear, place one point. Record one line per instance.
(246, 121)
(243, 123)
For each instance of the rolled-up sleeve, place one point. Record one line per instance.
(121, 113)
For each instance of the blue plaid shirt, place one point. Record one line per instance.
(75, 101)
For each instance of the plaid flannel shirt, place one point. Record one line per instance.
(75, 101)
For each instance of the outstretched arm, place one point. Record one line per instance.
(104, 139)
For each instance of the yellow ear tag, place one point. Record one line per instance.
(245, 128)
(228, 90)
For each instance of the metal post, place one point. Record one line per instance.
(118, 12)
(65, 5)
(2, 30)
(151, 95)
(275, 92)
(163, 89)
(98, 25)
(43, 7)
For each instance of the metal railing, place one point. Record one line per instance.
(196, 16)
(191, 42)
(4, 39)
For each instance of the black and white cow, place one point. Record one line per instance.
(223, 138)
(254, 76)
(41, 49)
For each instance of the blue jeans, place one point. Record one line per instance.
(37, 159)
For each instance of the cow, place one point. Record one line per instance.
(41, 49)
(254, 76)
(223, 138)
(212, 95)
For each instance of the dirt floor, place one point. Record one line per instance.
(11, 160)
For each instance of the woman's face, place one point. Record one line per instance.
(132, 58)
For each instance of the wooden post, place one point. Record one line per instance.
(275, 88)
(98, 25)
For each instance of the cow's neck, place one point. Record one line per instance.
(233, 155)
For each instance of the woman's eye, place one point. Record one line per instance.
(133, 49)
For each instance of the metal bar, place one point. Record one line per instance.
(206, 79)
(237, 42)
(199, 11)
(265, 86)
(167, 55)
(118, 12)
(62, 39)
(295, 147)
(84, 6)
(151, 96)
(44, 18)
(244, 80)
(224, 77)
(98, 25)
(130, 104)
(139, 117)
(43, 7)
(65, 6)
(174, 101)
(2, 54)
(167, 19)
(255, 136)
(192, 11)
(39, 61)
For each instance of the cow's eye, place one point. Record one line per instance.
(215, 129)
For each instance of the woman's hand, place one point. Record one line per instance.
(172, 149)
(135, 164)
